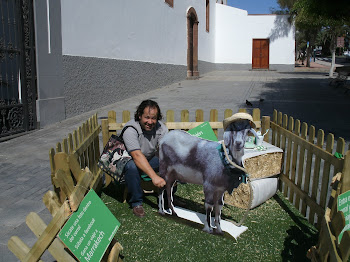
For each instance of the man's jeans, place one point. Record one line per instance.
(133, 180)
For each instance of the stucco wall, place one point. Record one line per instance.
(115, 49)
(119, 49)
(147, 30)
(235, 31)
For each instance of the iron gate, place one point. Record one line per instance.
(18, 92)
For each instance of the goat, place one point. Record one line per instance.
(189, 159)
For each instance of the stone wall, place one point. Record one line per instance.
(91, 83)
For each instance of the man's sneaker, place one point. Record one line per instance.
(139, 211)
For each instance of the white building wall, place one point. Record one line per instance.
(129, 47)
(235, 31)
(137, 30)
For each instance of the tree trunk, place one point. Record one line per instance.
(333, 64)
(332, 49)
(308, 52)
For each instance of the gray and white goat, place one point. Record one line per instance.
(189, 159)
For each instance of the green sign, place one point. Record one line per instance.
(204, 131)
(90, 229)
(344, 206)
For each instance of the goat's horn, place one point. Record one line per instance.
(254, 133)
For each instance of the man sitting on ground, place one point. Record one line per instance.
(142, 146)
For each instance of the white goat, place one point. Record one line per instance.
(189, 159)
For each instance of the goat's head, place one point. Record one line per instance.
(236, 133)
(236, 130)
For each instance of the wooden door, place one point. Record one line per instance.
(260, 54)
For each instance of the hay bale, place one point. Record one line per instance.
(239, 197)
(264, 165)
(262, 190)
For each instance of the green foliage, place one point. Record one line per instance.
(336, 10)
(312, 17)
(304, 18)
(276, 232)
(286, 4)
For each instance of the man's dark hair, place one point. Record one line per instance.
(147, 103)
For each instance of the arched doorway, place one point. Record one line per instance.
(192, 44)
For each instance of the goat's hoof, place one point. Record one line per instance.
(218, 232)
(161, 212)
(167, 211)
(208, 230)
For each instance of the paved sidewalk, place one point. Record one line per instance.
(303, 94)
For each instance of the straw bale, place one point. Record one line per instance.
(240, 196)
(261, 190)
(264, 165)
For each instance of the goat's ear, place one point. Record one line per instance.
(227, 137)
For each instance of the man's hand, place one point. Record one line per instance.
(142, 163)
(158, 181)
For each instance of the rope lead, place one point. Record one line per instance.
(250, 187)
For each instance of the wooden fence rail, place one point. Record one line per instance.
(309, 164)
(83, 144)
(329, 248)
(47, 234)
(110, 125)
(74, 172)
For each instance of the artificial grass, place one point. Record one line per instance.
(276, 231)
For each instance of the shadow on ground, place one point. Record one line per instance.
(316, 103)
(301, 236)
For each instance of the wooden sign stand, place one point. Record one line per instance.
(47, 234)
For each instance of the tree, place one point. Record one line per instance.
(286, 4)
(307, 27)
(308, 23)
(330, 33)
(335, 10)
(313, 16)
(325, 15)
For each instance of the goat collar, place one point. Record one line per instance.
(228, 160)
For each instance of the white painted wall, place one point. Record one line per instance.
(139, 30)
(151, 31)
(235, 31)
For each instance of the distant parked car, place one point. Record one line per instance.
(318, 53)
(347, 54)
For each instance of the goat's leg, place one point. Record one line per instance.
(161, 202)
(162, 174)
(218, 207)
(207, 223)
(209, 197)
(169, 189)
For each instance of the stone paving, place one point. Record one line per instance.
(303, 94)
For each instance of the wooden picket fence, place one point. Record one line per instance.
(329, 248)
(110, 125)
(308, 167)
(309, 164)
(83, 144)
(74, 172)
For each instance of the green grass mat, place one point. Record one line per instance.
(276, 231)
